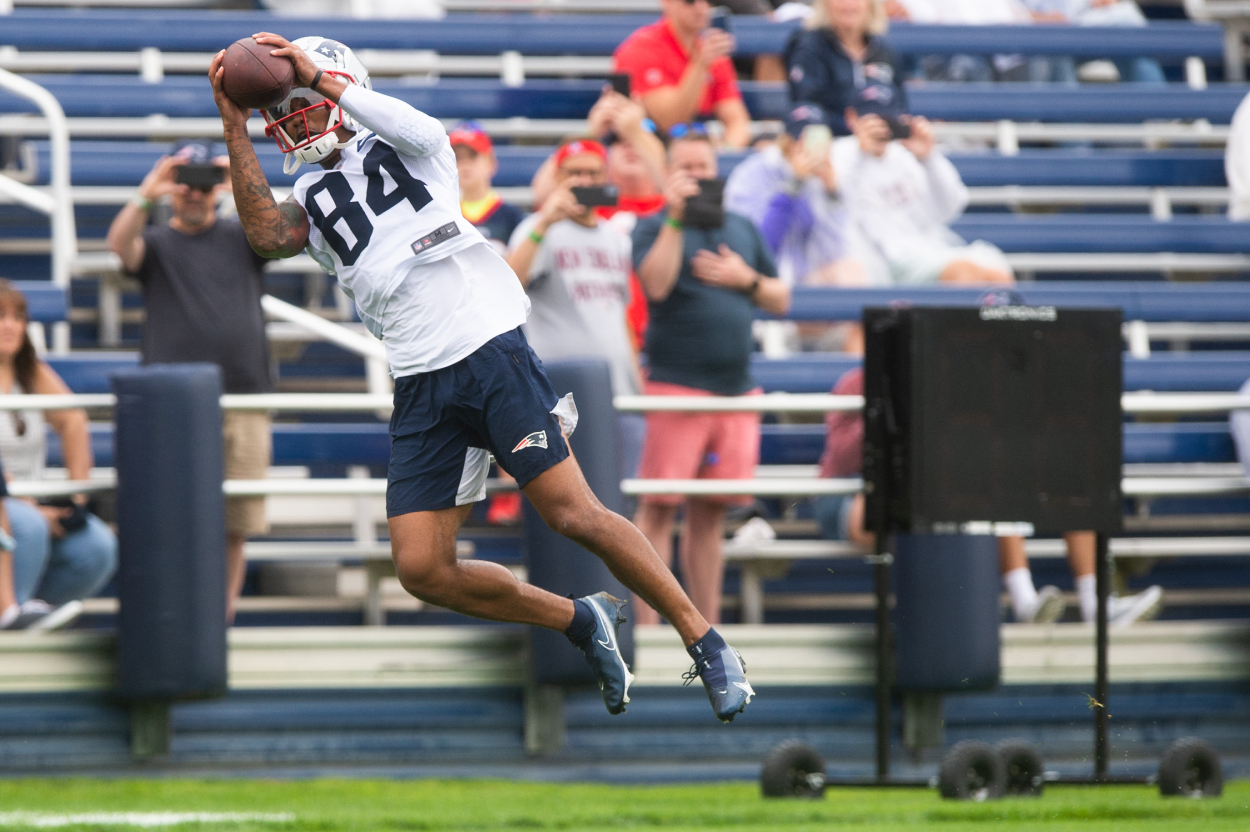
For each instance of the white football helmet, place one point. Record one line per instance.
(333, 58)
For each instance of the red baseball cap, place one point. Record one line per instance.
(470, 135)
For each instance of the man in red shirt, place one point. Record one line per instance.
(682, 71)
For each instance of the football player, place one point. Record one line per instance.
(380, 211)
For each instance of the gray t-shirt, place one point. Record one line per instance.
(202, 293)
(579, 290)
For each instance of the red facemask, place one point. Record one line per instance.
(278, 128)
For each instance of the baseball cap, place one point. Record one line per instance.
(471, 135)
(194, 151)
(804, 115)
(878, 99)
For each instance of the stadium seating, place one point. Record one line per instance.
(564, 34)
(110, 96)
(102, 163)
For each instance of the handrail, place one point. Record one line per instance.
(61, 212)
(1137, 403)
(362, 345)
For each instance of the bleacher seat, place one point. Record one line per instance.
(1218, 301)
(1205, 372)
(536, 34)
(112, 96)
(1106, 233)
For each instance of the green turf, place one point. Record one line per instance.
(326, 805)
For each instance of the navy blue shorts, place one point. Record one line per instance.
(445, 423)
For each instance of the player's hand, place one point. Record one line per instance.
(559, 205)
(725, 269)
(161, 180)
(921, 141)
(232, 115)
(305, 69)
(712, 44)
(679, 188)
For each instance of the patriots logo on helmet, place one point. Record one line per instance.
(537, 439)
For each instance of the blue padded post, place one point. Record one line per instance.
(556, 563)
(946, 613)
(171, 630)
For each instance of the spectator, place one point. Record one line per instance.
(840, 50)
(576, 270)
(902, 195)
(32, 613)
(479, 202)
(789, 190)
(681, 70)
(842, 518)
(704, 284)
(1237, 163)
(977, 67)
(202, 285)
(1102, 13)
(64, 553)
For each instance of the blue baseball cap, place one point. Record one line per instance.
(803, 116)
(878, 99)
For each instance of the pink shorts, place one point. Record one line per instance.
(708, 446)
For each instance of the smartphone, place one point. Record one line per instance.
(706, 209)
(816, 139)
(596, 196)
(199, 175)
(620, 83)
(721, 19)
(898, 129)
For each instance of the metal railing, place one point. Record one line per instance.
(59, 204)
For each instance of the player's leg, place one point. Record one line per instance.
(423, 545)
(567, 505)
(1121, 611)
(656, 521)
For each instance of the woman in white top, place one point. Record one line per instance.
(63, 553)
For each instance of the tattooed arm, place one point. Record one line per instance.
(273, 230)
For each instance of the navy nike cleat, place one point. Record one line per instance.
(723, 673)
(603, 652)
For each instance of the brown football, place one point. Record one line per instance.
(254, 78)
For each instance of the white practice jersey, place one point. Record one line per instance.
(390, 207)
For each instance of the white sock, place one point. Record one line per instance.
(1087, 594)
(8, 614)
(1019, 584)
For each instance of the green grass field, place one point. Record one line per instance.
(326, 805)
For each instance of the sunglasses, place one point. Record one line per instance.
(680, 131)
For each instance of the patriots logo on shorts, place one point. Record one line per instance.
(537, 439)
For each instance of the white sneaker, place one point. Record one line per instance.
(1121, 612)
(58, 618)
(1050, 606)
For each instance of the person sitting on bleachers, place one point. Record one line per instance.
(479, 202)
(705, 271)
(902, 195)
(576, 269)
(842, 518)
(839, 50)
(680, 69)
(789, 190)
(1101, 13)
(63, 552)
(202, 285)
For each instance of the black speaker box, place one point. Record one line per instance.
(996, 414)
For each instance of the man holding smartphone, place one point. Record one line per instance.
(680, 69)
(576, 269)
(202, 285)
(705, 271)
